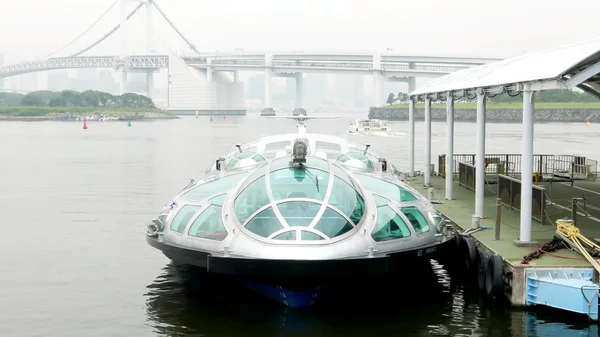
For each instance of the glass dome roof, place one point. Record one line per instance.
(318, 201)
(245, 158)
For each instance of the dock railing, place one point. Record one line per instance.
(568, 167)
(509, 191)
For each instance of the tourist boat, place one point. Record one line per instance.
(368, 126)
(292, 215)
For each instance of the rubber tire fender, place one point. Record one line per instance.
(481, 270)
(470, 252)
(494, 276)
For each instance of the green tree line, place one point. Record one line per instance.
(548, 96)
(69, 98)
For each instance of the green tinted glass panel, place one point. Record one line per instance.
(346, 198)
(386, 188)
(309, 236)
(209, 225)
(299, 213)
(332, 224)
(416, 218)
(213, 187)
(389, 225)
(218, 200)
(253, 176)
(280, 163)
(299, 183)
(438, 220)
(361, 157)
(288, 236)
(264, 223)
(251, 199)
(342, 175)
(258, 157)
(182, 218)
(379, 201)
(317, 163)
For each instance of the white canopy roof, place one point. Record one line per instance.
(560, 68)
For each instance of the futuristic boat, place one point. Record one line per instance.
(293, 215)
(368, 126)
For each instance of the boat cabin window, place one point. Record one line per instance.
(357, 155)
(438, 220)
(182, 218)
(333, 224)
(237, 159)
(251, 199)
(386, 188)
(380, 201)
(209, 225)
(345, 198)
(416, 218)
(299, 183)
(204, 190)
(390, 225)
(287, 236)
(264, 223)
(218, 200)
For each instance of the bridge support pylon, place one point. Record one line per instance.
(299, 103)
(123, 81)
(268, 103)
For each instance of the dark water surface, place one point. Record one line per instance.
(75, 203)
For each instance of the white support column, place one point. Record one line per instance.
(149, 83)
(268, 104)
(377, 80)
(427, 181)
(480, 155)
(449, 145)
(124, 52)
(149, 46)
(299, 102)
(411, 137)
(123, 81)
(526, 167)
(209, 69)
(268, 84)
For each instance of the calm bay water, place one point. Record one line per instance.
(75, 203)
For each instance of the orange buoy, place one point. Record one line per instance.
(84, 125)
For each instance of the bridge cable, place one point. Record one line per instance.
(85, 32)
(190, 44)
(108, 34)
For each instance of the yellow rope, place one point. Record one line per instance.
(567, 229)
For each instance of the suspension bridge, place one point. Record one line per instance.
(208, 81)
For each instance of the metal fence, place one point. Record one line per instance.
(571, 167)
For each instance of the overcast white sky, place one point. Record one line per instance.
(35, 28)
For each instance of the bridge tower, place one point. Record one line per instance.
(149, 46)
(377, 80)
(124, 35)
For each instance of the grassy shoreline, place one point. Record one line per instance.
(45, 113)
(507, 105)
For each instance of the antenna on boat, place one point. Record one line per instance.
(239, 146)
(301, 120)
(367, 146)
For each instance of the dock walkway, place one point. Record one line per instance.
(460, 210)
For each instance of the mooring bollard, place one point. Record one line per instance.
(475, 221)
(498, 218)
(574, 211)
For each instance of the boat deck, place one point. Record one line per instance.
(461, 209)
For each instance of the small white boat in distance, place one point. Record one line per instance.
(368, 125)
